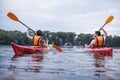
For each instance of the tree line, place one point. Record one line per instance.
(59, 38)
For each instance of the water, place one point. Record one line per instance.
(72, 64)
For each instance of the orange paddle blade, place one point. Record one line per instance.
(12, 16)
(57, 48)
(109, 19)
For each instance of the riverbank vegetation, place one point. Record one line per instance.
(59, 38)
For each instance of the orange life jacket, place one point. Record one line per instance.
(37, 41)
(99, 41)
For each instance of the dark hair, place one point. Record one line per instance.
(39, 32)
(98, 33)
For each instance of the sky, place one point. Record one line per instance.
(79, 16)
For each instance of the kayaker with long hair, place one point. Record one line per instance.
(38, 39)
(98, 41)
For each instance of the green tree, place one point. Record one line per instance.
(59, 38)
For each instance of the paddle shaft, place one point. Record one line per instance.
(102, 27)
(26, 26)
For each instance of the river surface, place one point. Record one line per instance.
(71, 64)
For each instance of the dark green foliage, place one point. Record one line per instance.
(59, 38)
(6, 37)
(83, 39)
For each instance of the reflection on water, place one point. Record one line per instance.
(100, 64)
(32, 59)
(72, 64)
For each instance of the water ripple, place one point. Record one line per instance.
(72, 64)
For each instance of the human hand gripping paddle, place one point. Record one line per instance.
(15, 18)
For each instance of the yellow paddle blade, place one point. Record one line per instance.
(57, 47)
(109, 19)
(12, 16)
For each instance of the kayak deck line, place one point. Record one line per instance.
(20, 50)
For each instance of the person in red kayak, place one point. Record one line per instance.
(38, 40)
(98, 41)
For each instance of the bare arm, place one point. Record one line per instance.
(91, 44)
(44, 42)
(88, 46)
(105, 33)
(28, 35)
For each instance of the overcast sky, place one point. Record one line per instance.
(79, 16)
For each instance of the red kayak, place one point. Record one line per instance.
(20, 50)
(104, 50)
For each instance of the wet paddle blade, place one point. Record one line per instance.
(12, 16)
(57, 48)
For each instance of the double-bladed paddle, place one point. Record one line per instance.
(15, 18)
